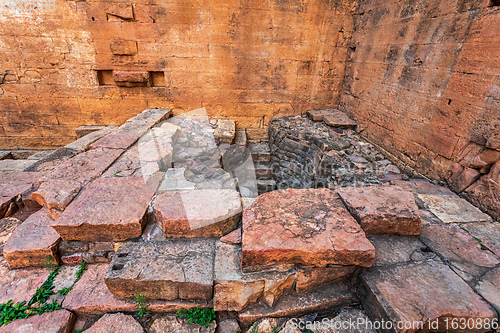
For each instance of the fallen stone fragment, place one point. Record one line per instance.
(173, 269)
(317, 115)
(7, 226)
(32, 242)
(20, 284)
(489, 287)
(425, 292)
(465, 254)
(328, 298)
(453, 210)
(14, 184)
(234, 290)
(173, 324)
(91, 296)
(486, 191)
(127, 134)
(116, 323)
(306, 226)
(60, 321)
(388, 210)
(198, 213)
(109, 209)
(391, 250)
(233, 237)
(225, 130)
(339, 119)
(62, 184)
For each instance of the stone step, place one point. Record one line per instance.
(198, 213)
(428, 292)
(389, 210)
(327, 299)
(32, 242)
(109, 209)
(173, 269)
(90, 296)
(260, 152)
(266, 185)
(308, 226)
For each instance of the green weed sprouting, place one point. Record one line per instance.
(198, 316)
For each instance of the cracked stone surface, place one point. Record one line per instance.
(424, 292)
(91, 296)
(489, 287)
(109, 209)
(127, 134)
(173, 269)
(488, 233)
(453, 210)
(32, 242)
(306, 226)
(465, 254)
(383, 209)
(198, 213)
(391, 250)
(60, 321)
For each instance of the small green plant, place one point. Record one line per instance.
(10, 312)
(198, 316)
(64, 291)
(117, 172)
(80, 330)
(48, 307)
(46, 290)
(82, 268)
(141, 306)
(480, 241)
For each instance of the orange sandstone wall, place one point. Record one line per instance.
(423, 80)
(102, 62)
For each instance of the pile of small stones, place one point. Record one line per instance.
(309, 154)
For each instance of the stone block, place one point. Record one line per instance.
(453, 210)
(123, 47)
(116, 323)
(225, 130)
(310, 227)
(173, 269)
(60, 321)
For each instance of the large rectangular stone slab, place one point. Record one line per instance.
(91, 296)
(198, 213)
(32, 242)
(453, 210)
(308, 226)
(388, 210)
(172, 269)
(127, 134)
(62, 184)
(109, 209)
(423, 292)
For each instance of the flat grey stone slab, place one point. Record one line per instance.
(172, 269)
(453, 210)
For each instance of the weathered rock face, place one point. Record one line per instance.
(32, 242)
(383, 209)
(174, 269)
(198, 213)
(109, 209)
(116, 323)
(425, 292)
(309, 226)
(390, 97)
(485, 192)
(60, 321)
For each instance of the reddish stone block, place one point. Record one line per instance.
(60, 321)
(123, 47)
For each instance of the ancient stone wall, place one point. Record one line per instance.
(101, 62)
(423, 82)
